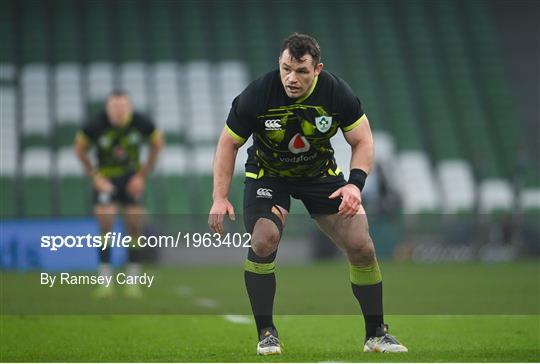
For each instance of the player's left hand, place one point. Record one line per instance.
(135, 186)
(350, 200)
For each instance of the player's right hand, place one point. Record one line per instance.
(220, 208)
(102, 184)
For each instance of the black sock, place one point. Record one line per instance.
(104, 256)
(134, 255)
(370, 299)
(261, 288)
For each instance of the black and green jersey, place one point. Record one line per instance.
(291, 137)
(118, 148)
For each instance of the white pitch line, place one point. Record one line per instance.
(238, 319)
(183, 291)
(207, 302)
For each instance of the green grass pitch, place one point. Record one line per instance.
(204, 334)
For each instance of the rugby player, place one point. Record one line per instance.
(292, 114)
(118, 133)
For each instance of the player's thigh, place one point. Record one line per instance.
(133, 218)
(105, 214)
(266, 204)
(349, 233)
(122, 195)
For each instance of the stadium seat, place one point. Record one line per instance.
(202, 158)
(69, 105)
(172, 168)
(472, 119)
(7, 33)
(8, 72)
(133, 78)
(8, 152)
(385, 147)
(400, 115)
(417, 184)
(73, 186)
(162, 31)
(168, 100)
(132, 45)
(35, 25)
(457, 186)
(438, 115)
(9, 145)
(232, 78)
(100, 81)
(37, 184)
(483, 38)
(226, 30)
(8, 195)
(430, 78)
(66, 35)
(495, 196)
(530, 199)
(97, 31)
(35, 104)
(203, 126)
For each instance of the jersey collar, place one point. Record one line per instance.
(309, 92)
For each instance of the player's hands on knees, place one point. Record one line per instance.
(350, 200)
(220, 208)
(136, 185)
(102, 184)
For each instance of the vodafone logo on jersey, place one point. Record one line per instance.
(299, 144)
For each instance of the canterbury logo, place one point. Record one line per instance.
(272, 124)
(264, 193)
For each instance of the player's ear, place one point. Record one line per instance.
(318, 68)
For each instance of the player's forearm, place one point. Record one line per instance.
(223, 169)
(85, 161)
(153, 155)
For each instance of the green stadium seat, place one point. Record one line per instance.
(73, 185)
(67, 38)
(154, 199)
(74, 196)
(8, 197)
(440, 91)
(7, 32)
(37, 183)
(37, 197)
(97, 30)
(179, 196)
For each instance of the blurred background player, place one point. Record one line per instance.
(118, 133)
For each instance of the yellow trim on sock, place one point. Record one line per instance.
(259, 268)
(365, 275)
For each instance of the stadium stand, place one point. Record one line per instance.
(431, 81)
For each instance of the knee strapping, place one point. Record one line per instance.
(275, 217)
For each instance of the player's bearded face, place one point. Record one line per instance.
(297, 76)
(119, 110)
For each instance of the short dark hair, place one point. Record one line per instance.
(118, 92)
(301, 44)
